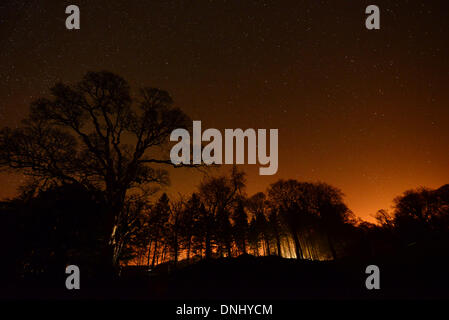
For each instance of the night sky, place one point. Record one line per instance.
(365, 111)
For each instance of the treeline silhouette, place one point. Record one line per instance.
(45, 230)
(293, 220)
(301, 220)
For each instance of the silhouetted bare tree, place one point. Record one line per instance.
(240, 226)
(97, 134)
(421, 213)
(257, 206)
(218, 194)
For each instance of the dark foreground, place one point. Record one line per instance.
(248, 277)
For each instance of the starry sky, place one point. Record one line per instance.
(366, 111)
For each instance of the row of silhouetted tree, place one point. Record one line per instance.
(47, 229)
(292, 219)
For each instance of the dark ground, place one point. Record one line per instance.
(248, 277)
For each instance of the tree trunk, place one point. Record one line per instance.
(115, 201)
(298, 249)
(208, 246)
(154, 254)
(278, 243)
(290, 248)
(175, 253)
(188, 249)
(149, 253)
(267, 243)
(163, 254)
(331, 247)
(228, 247)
